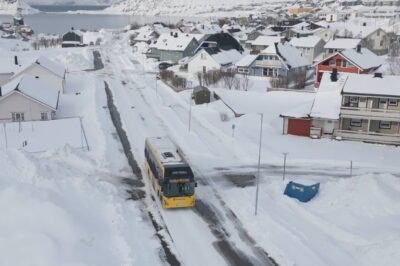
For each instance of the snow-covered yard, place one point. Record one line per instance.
(68, 207)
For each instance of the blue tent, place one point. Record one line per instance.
(301, 192)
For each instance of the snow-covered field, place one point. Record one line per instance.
(73, 203)
(67, 206)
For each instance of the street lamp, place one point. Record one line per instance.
(190, 106)
(259, 160)
(284, 164)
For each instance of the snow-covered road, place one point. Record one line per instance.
(209, 234)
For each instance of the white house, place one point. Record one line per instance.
(310, 47)
(213, 59)
(341, 44)
(263, 42)
(48, 71)
(27, 98)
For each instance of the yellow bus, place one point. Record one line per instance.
(170, 174)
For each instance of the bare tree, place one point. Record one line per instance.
(236, 83)
(200, 77)
(299, 80)
(245, 81)
(229, 78)
(279, 82)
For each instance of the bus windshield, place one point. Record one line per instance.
(178, 189)
(181, 172)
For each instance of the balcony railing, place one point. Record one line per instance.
(268, 63)
(368, 136)
(371, 112)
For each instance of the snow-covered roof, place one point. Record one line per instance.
(310, 41)
(342, 43)
(364, 59)
(51, 66)
(174, 42)
(370, 85)
(7, 63)
(328, 99)
(226, 57)
(289, 54)
(266, 40)
(246, 60)
(207, 28)
(34, 88)
(166, 150)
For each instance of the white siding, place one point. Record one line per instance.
(18, 103)
(200, 60)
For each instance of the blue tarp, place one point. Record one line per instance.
(301, 192)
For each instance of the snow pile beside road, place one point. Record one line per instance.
(350, 222)
(57, 211)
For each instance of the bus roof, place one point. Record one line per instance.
(165, 150)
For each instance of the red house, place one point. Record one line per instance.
(358, 61)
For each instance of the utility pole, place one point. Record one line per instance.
(284, 165)
(351, 168)
(259, 161)
(190, 110)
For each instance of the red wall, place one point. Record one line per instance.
(299, 127)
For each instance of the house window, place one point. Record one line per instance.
(203, 56)
(385, 124)
(17, 117)
(353, 101)
(330, 51)
(393, 102)
(355, 122)
(378, 33)
(381, 43)
(44, 116)
(344, 63)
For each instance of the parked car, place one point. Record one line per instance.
(164, 65)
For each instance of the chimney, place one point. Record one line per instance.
(358, 48)
(302, 27)
(334, 76)
(171, 33)
(1, 94)
(15, 60)
(365, 24)
(378, 75)
(176, 35)
(72, 28)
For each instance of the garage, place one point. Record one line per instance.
(299, 127)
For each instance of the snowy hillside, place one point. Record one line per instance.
(10, 7)
(187, 7)
(69, 2)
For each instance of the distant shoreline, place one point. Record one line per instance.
(68, 8)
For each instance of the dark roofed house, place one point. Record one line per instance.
(72, 38)
(223, 41)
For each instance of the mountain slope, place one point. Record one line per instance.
(10, 7)
(187, 7)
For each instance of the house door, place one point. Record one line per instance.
(382, 103)
(204, 69)
(329, 126)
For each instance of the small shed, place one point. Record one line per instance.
(201, 95)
